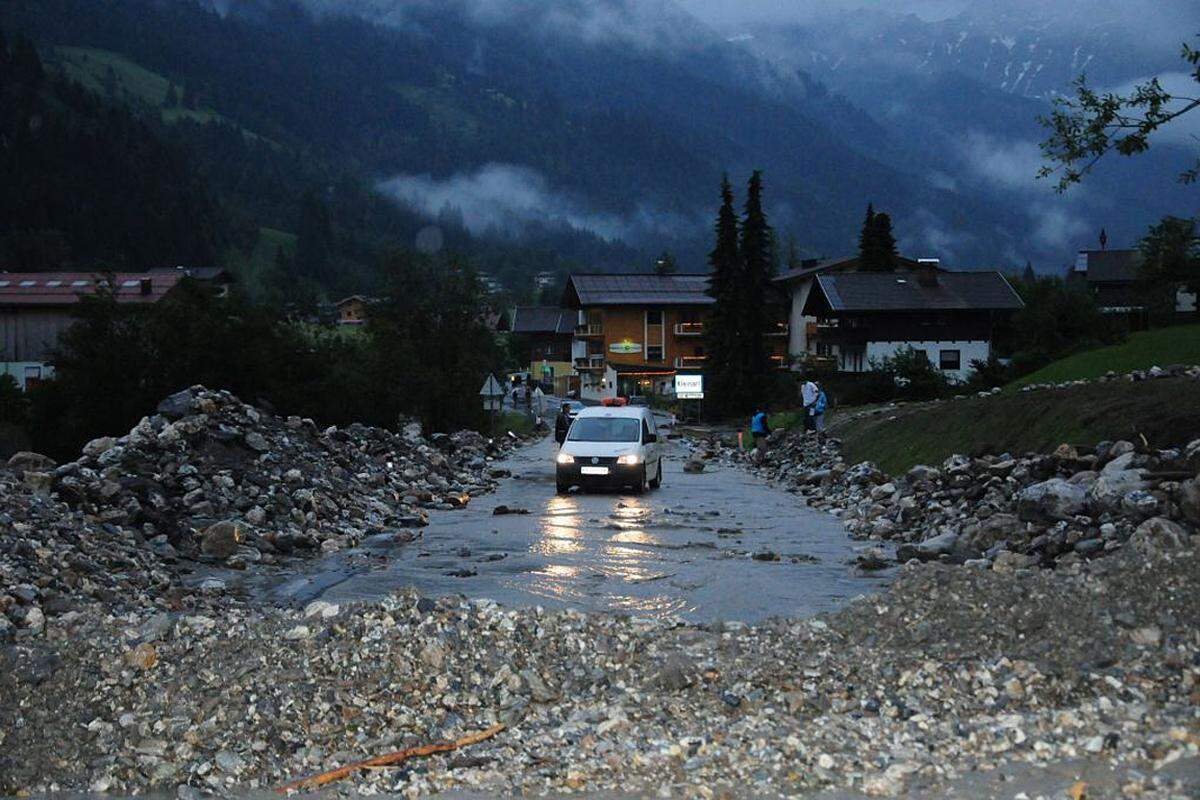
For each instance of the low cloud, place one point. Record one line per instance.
(1055, 227)
(1010, 164)
(504, 199)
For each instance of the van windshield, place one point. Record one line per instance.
(605, 429)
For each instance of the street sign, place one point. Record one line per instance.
(492, 394)
(689, 387)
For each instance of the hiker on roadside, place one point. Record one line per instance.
(760, 429)
(562, 423)
(808, 396)
(817, 413)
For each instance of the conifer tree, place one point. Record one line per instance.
(866, 248)
(721, 328)
(757, 245)
(883, 243)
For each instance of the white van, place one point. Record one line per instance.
(612, 446)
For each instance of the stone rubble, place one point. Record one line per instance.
(209, 479)
(999, 511)
(950, 674)
(1170, 371)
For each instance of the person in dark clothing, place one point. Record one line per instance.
(562, 424)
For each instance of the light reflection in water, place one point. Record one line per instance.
(559, 533)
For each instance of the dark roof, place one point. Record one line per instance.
(637, 290)
(205, 274)
(543, 319)
(890, 291)
(1109, 266)
(65, 288)
(814, 266)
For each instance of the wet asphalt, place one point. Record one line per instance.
(687, 550)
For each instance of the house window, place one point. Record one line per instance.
(654, 352)
(950, 359)
(654, 318)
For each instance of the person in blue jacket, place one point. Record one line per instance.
(760, 429)
(817, 412)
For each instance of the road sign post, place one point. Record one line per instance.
(493, 395)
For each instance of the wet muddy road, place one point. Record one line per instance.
(687, 549)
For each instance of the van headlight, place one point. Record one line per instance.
(565, 458)
(629, 459)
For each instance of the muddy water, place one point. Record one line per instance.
(684, 550)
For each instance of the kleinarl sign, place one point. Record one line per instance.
(689, 387)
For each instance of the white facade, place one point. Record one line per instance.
(596, 386)
(797, 322)
(939, 353)
(24, 371)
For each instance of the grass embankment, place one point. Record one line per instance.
(1165, 411)
(1159, 347)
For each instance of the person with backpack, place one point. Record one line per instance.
(817, 412)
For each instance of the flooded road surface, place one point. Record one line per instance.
(686, 549)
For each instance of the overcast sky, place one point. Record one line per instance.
(727, 13)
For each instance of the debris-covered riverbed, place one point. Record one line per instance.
(718, 545)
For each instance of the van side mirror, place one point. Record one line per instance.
(650, 438)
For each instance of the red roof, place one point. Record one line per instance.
(65, 288)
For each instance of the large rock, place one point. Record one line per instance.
(178, 405)
(1189, 501)
(1054, 499)
(994, 529)
(1158, 535)
(1111, 487)
(221, 540)
(930, 549)
(33, 462)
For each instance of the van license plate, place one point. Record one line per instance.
(593, 470)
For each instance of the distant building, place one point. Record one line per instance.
(35, 307)
(547, 332)
(864, 317)
(798, 284)
(1113, 275)
(489, 284)
(634, 333)
(352, 310)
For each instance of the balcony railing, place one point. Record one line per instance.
(589, 329)
(689, 329)
(689, 362)
(780, 329)
(590, 363)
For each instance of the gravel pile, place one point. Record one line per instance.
(950, 672)
(211, 479)
(1000, 511)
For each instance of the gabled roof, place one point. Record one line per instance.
(815, 266)
(637, 290)
(203, 274)
(65, 288)
(1109, 266)
(892, 291)
(543, 319)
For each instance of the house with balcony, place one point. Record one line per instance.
(634, 333)
(862, 318)
(545, 335)
(798, 283)
(1113, 277)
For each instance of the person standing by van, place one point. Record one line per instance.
(562, 423)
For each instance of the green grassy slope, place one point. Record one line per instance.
(133, 83)
(1159, 347)
(1165, 411)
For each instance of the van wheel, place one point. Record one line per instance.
(657, 482)
(640, 486)
(562, 488)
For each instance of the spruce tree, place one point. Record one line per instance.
(883, 243)
(721, 328)
(757, 244)
(866, 242)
